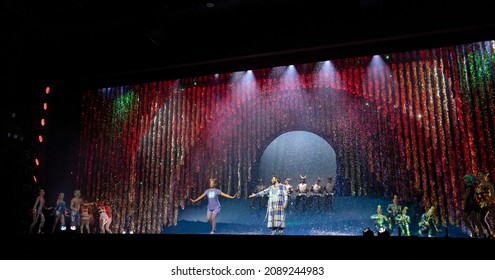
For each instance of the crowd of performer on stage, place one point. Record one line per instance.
(83, 216)
(303, 196)
(478, 212)
(86, 216)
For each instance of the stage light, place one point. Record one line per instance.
(42, 122)
(40, 138)
(47, 90)
(45, 106)
(37, 162)
(367, 232)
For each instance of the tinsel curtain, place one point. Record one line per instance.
(412, 126)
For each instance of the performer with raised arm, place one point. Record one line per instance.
(277, 203)
(213, 208)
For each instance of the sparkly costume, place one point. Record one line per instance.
(75, 207)
(403, 220)
(60, 208)
(393, 209)
(486, 201)
(85, 218)
(380, 221)
(75, 219)
(38, 208)
(59, 212)
(428, 223)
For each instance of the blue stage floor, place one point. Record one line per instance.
(349, 216)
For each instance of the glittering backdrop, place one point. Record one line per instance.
(413, 125)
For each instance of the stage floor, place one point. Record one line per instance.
(349, 217)
(242, 234)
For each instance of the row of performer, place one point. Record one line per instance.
(83, 215)
(302, 195)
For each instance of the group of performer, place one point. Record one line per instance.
(278, 199)
(84, 216)
(478, 208)
(478, 211)
(397, 218)
(479, 205)
(302, 196)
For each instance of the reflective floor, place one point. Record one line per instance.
(349, 216)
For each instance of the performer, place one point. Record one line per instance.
(329, 192)
(290, 191)
(471, 209)
(85, 216)
(59, 213)
(316, 194)
(75, 206)
(428, 223)
(403, 220)
(302, 190)
(108, 211)
(103, 217)
(393, 209)
(380, 221)
(486, 199)
(277, 203)
(213, 208)
(39, 206)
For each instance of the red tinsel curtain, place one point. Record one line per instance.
(413, 126)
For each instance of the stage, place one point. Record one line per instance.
(347, 217)
(334, 234)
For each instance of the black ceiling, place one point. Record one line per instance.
(89, 39)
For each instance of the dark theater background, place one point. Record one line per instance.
(140, 104)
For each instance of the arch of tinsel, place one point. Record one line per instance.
(412, 126)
